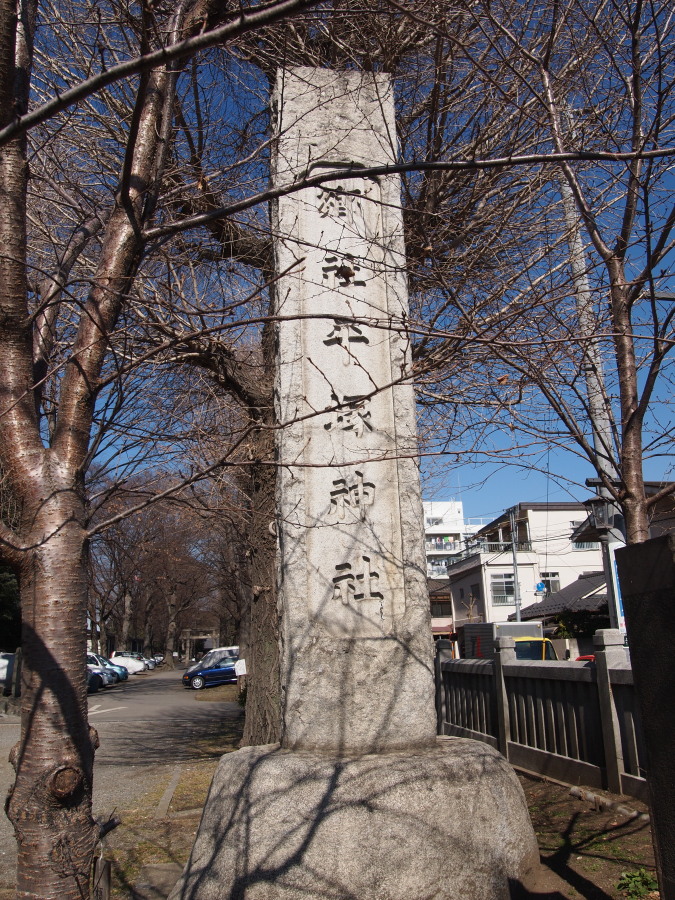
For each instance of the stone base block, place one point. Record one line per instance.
(447, 821)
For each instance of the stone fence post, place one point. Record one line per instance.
(609, 652)
(443, 653)
(505, 653)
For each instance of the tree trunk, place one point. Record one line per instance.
(263, 680)
(50, 803)
(263, 694)
(634, 503)
(126, 622)
(93, 638)
(147, 635)
(170, 633)
(103, 638)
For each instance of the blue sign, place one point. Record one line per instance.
(540, 587)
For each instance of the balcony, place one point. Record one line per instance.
(488, 547)
(437, 545)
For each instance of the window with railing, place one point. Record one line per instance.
(502, 589)
(442, 542)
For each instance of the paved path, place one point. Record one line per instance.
(146, 726)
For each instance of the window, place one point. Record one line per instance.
(431, 521)
(552, 582)
(502, 589)
(582, 545)
(441, 608)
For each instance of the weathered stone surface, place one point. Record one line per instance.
(356, 636)
(444, 822)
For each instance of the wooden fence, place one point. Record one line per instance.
(572, 721)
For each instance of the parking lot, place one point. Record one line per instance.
(149, 726)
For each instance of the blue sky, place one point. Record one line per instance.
(487, 490)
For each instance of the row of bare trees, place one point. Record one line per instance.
(137, 301)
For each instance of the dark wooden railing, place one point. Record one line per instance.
(572, 721)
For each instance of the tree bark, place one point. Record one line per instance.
(633, 501)
(50, 802)
(171, 607)
(263, 693)
(126, 621)
(263, 684)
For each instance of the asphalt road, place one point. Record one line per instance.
(146, 727)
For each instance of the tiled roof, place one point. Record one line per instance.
(587, 593)
(438, 587)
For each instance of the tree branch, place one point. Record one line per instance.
(266, 14)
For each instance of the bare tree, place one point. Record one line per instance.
(62, 345)
(564, 341)
(131, 150)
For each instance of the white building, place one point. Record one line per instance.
(443, 533)
(481, 576)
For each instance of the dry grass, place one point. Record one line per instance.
(218, 694)
(143, 840)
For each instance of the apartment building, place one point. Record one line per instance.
(443, 533)
(480, 576)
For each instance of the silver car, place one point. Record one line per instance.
(107, 675)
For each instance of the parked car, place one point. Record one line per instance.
(217, 667)
(94, 680)
(6, 667)
(130, 660)
(150, 662)
(120, 671)
(107, 675)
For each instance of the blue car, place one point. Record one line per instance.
(214, 668)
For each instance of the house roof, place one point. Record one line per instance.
(439, 588)
(587, 593)
(522, 509)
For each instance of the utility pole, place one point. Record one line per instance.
(598, 412)
(610, 536)
(514, 553)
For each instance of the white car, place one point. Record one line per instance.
(130, 660)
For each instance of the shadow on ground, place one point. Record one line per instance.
(148, 742)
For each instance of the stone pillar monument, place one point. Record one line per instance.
(357, 670)
(360, 799)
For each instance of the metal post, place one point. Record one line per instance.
(514, 552)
